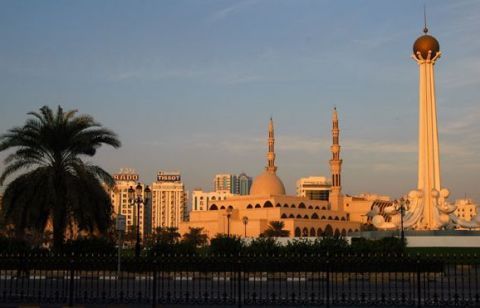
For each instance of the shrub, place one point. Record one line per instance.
(223, 244)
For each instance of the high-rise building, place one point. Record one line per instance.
(125, 179)
(314, 188)
(244, 182)
(226, 182)
(168, 200)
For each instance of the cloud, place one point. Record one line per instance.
(230, 10)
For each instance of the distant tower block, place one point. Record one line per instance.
(335, 197)
(426, 51)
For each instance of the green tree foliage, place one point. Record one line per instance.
(222, 244)
(81, 245)
(276, 229)
(263, 246)
(57, 186)
(385, 245)
(166, 240)
(195, 237)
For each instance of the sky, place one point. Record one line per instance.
(189, 86)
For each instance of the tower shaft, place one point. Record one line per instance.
(335, 197)
(271, 148)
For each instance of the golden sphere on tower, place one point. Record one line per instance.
(424, 44)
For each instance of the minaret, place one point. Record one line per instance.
(271, 149)
(426, 51)
(335, 197)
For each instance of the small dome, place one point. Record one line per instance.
(425, 43)
(267, 183)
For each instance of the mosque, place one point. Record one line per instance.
(250, 215)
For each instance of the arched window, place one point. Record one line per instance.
(249, 206)
(310, 207)
(356, 230)
(222, 207)
(305, 216)
(323, 217)
(312, 232)
(293, 206)
(344, 232)
(257, 206)
(278, 205)
(291, 216)
(268, 204)
(319, 232)
(342, 219)
(213, 198)
(301, 205)
(299, 216)
(350, 231)
(324, 208)
(317, 207)
(230, 207)
(329, 217)
(213, 207)
(298, 232)
(337, 233)
(305, 232)
(336, 217)
(314, 216)
(284, 215)
(285, 205)
(328, 231)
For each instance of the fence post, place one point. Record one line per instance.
(154, 291)
(239, 280)
(419, 286)
(72, 281)
(327, 283)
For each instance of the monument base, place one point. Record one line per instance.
(434, 238)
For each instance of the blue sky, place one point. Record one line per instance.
(190, 85)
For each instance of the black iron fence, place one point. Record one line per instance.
(320, 280)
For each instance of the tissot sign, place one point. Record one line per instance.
(168, 177)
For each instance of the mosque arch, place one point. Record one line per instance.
(305, 216)
(257, 206)
(305, 232)
(344, 232)
(301, 205)
(291, 216)
(293, 206)
(285, 205)
(298, 232)
(337, 233)
(268, 204)
(213, 198)
(312, 232)
(324, 208)
(230, 207)
(310, 207)
(314, 216)
(284, 215)
(249, 206)
(319, 232)
(342, 219)
(329, 217)
(299, 216)
(336, 217)
(356, 230)
(222, 207)
(323, 217)
(278, 205)
(328, 231)
(317, 207)
(350, 231)
(213, 207)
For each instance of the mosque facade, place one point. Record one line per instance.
(250, 215)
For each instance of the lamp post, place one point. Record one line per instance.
(135, 198)
(229, 214)
(245, 222)
(400, 207)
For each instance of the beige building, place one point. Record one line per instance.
(268, 202)
(125, 179)
(314, 188)
(466, 209)
(168, 200)
(201, 199)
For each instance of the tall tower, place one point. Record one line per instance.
(271, 149)
(426, 51)
(335, 197)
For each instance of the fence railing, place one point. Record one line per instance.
(321, 280)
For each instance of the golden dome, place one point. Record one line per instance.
(424, 44)
(267, 183)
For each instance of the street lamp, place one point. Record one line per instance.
(229, 214)
(400, 207)
(135, 198)
(245, 222)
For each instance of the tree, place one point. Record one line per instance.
(195, 237)
(58, 187)
(275, 229)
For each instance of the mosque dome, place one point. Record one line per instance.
(425, 43)
(267, 183)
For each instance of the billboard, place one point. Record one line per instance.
(168, 177)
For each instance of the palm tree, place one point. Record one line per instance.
(58, 187)
(167, 235)
(275, 229)
(195, 237)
